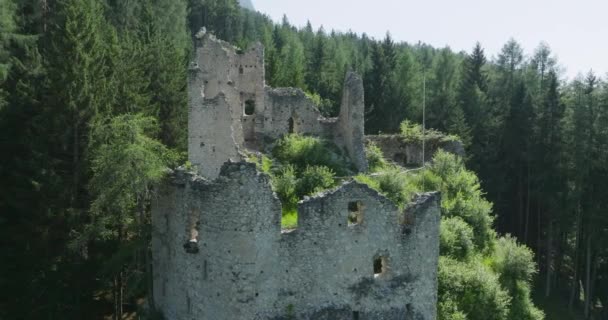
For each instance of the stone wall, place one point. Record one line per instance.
(225, 80)
(219, 252)
(352, 120)
(290, 111)
(408, 153)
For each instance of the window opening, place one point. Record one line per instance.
(379, 266)
(355, 315)
(291, 125)
(355, 213)
(241, 69)
(191, 246)
(249, 107)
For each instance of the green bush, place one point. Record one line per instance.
(314, 179)
(472, 289)
(375, 158)
(448, 310)
(303, 151)
(462, 197)
(284, 184)
(522, 307)
(393, 183)
(456, 238)
(411, 132)
(513, 262)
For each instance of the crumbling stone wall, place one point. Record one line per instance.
(238, 264)
(290, 111)
(351, 125)
(224, 79)
(409, 153)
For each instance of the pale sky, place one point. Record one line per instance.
(576, 30)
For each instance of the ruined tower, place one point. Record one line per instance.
(232, 110)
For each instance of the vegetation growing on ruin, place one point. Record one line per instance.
(481, 275)
(302, 166)
(412, 132)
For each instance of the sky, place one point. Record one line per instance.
(575, 30)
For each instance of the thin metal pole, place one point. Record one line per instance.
(423, 121)
(423, 113)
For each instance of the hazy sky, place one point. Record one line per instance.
(576, 30)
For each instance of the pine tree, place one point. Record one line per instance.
(126, 164)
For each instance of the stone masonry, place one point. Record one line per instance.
(218, 248)
(232, 110)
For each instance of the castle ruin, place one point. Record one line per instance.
(218, 248)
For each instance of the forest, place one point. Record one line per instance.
(93, 108)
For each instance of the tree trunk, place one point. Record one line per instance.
(75, 163)
(588, 277)
(593, 279)
(559, 258)
(520, 209)
(115, 298)
(527, 222)
(538, 235)
(549, 259)
(574, 286)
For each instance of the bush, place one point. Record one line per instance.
(302, 151)
(462, 197)
(513, 262)
(522, 307)
(456, 238)
(375, 158)
(411, 132)
(284, 184)
(325, 106)
(448, 310)
(472, 289)
(394, 183)
(515, 266)
(262, 162)
(314, 179)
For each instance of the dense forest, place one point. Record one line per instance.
(93, 109)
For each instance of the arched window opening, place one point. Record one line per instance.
(291, 126)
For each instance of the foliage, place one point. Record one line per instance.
(314, 179)
(284, 184)
(412, 132)
(303, 151)
(462, 197)
(470, 288)
(456, 238)
(513, 262)
(375, 158)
